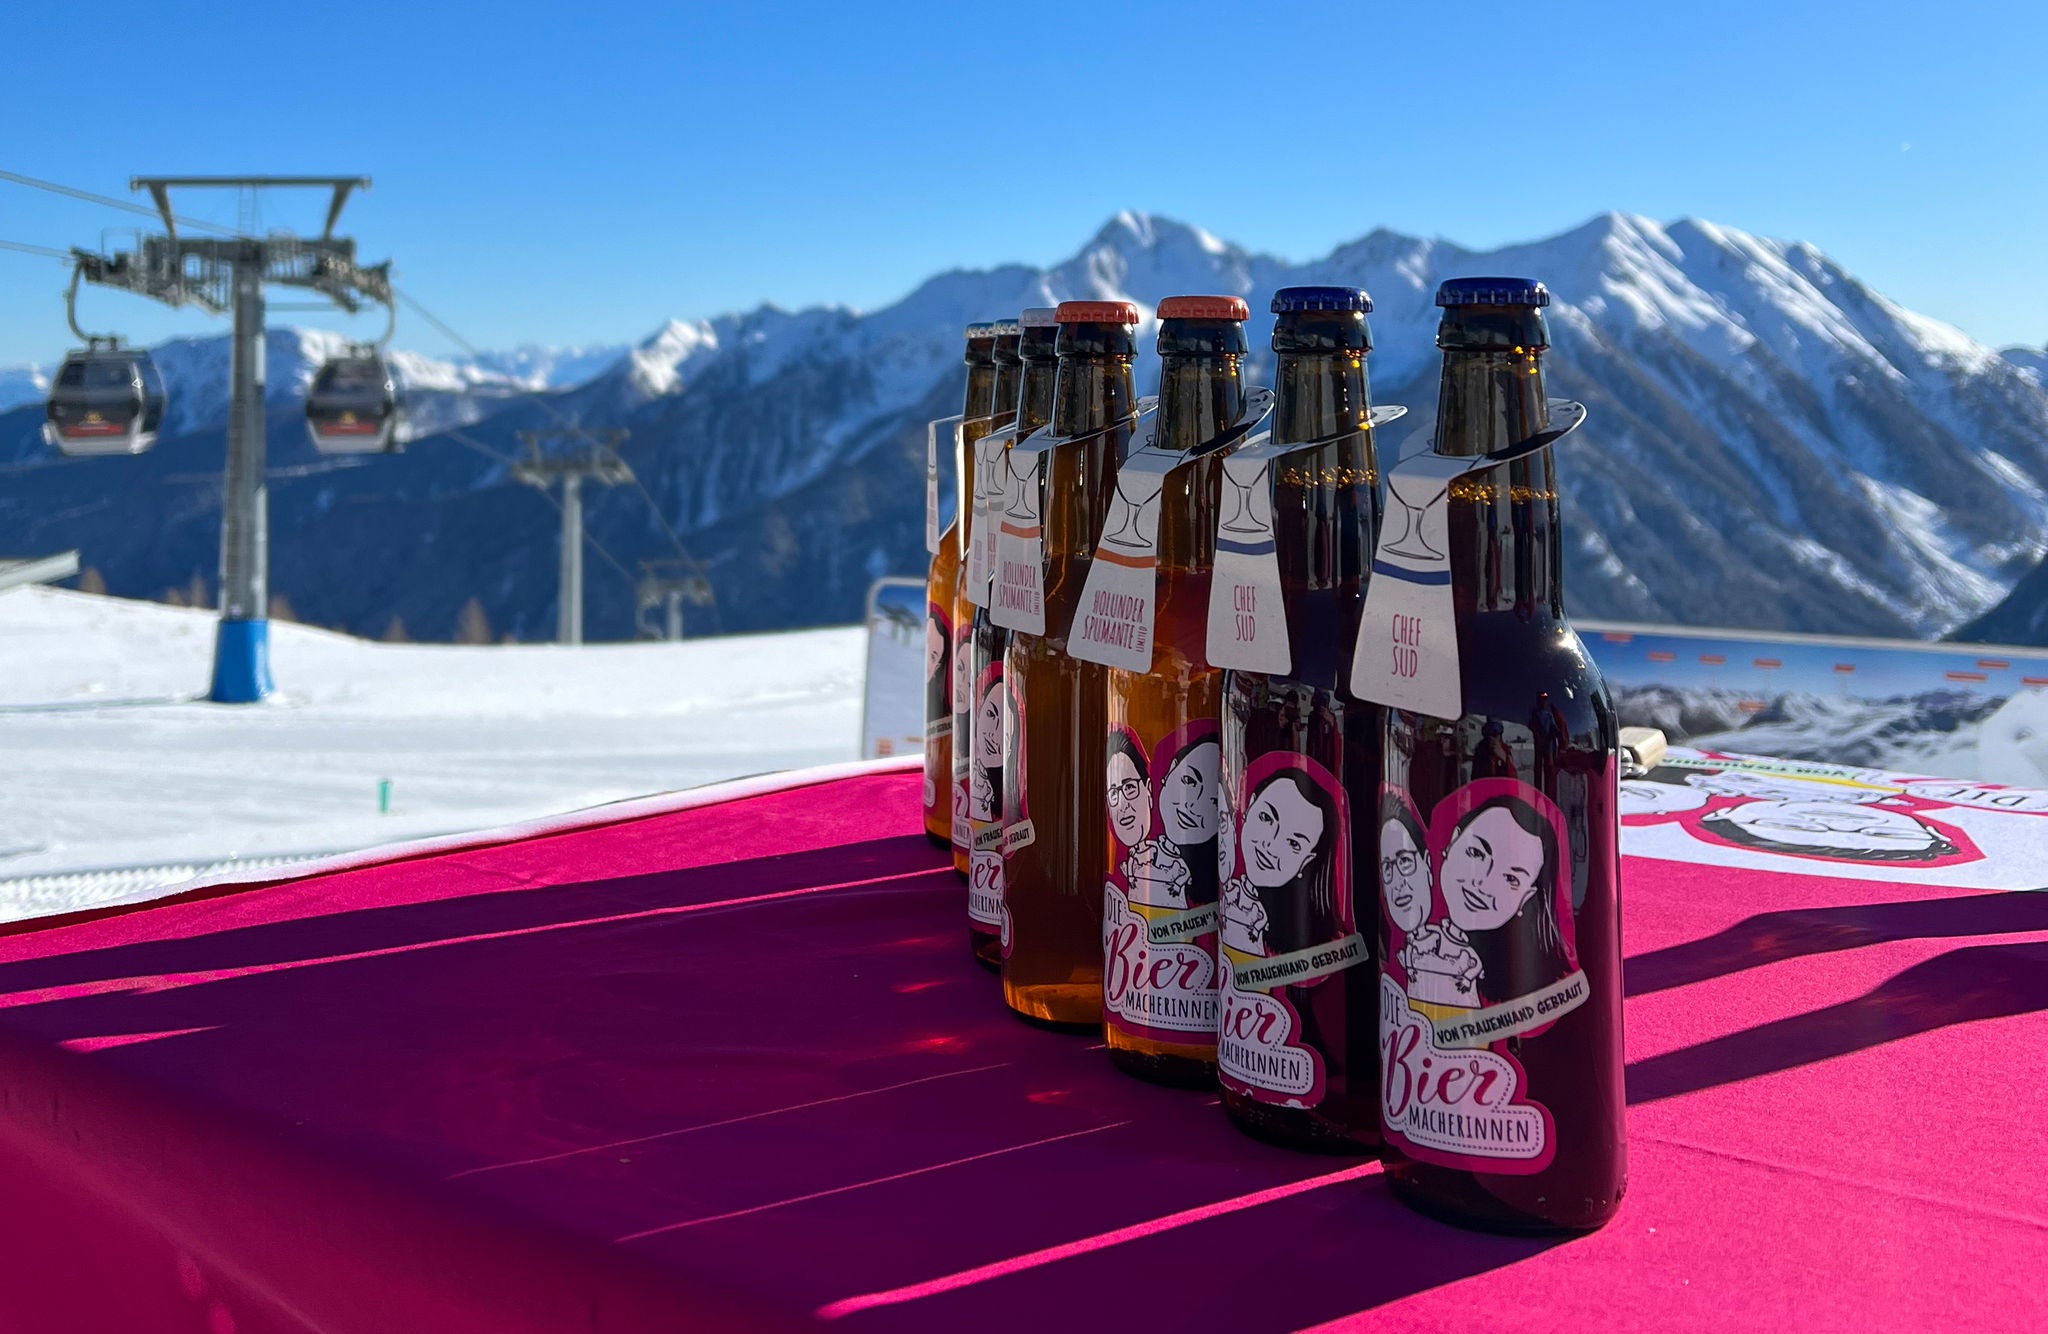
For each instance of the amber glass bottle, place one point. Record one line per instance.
(1301, 763)
(982, 752)
(981, 397)
(940, 582)
(1500, 1022)
(1163, 755)
(1053, 877)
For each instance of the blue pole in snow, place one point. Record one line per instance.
(241, 663)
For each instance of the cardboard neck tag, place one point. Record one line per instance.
(991, 498)
(948, 427)
(1120, 600)
(1407, 651)
(1017, 595)
(1247, 606)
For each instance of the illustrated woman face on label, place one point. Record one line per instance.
(1283, 828)
(1492, 868)
(934, 648)
(1850, 830)
(1187, 801)
(1130, 792)
(1404, 870)
(1500, 889)
(988, 727)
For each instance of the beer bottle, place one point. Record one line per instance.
(974, 424)
(1163, 754)
(938, 637)
(986, 644)
(1298, 1035)
(1053, 797)
(1500, 968)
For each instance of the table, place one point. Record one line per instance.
(725, 1063)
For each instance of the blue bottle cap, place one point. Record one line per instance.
(1492, 292)
(1291, 299)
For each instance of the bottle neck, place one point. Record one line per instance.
(1319, 394)
(1326, 507)
(1503, 521)
(981, 390)
(1003, 398)
(1034, 398)
(1199, 397)
(1090, 392)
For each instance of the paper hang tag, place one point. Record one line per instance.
(1247, 607)
(1017, 593)
(950, 428)
(1114, 623)
(991, 499)
(1407, 651)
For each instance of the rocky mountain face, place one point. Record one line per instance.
(1772, 444)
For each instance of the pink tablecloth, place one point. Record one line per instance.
(732, 1067)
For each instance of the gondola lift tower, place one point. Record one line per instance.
(224, 275)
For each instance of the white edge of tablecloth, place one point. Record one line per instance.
(589, 817)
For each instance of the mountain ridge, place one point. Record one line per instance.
(1772, 444)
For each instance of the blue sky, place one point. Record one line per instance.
(557, 174)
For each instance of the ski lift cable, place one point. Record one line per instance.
(480, 447)
(125, 205)
(675, 538)
(25, 248)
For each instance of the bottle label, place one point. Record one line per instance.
(1406, 656)
(1018, 596)
(948, 430)
(1159, 903)
(985, 800)
(938, 693)
(1247, 611)
(1113, 624)
(1020, 577)
(1288, 920)
(1479, 947)
(991, 492)
(963, 726)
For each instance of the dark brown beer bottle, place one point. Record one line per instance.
(1298, 1038)
(940, 581)
(1500, 1021)
(1053, 799)
(975, 423)
(987, 642)
(1163, 754)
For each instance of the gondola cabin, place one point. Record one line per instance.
(105, 401)
(354, 406)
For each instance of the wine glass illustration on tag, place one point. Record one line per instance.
(1134, 519)
(1249, 502)
(1415, 497)
(1023, 491)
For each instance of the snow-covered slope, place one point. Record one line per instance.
(111, 761)
(1773, 444)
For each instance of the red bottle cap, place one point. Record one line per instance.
(1097, 312)
(1204, 308)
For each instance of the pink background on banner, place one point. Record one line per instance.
(733, 1066)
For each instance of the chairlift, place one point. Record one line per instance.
(105, 400)
(354, 406)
